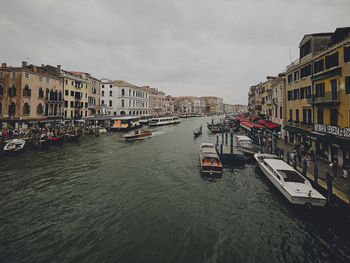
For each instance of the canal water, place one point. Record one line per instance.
(103, 199)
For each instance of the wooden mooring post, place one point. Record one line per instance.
(288, 157)
(315, 175)
(329, 187)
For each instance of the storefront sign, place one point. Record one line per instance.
(333, 130)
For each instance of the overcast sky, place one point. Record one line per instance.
(183, 47)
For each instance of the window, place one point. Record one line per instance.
(332, 60)
(39, 109)
(12, 91)
(66, 103)
(72, 83)
(72, 104)
(110, 93)
(318, 66)
(123, 103)
(12, 108)
(296, 94)
(281, 112)
(60, 96)
(334, 117)
(86, 104)
(1, 90)
(40, 78)
(347, 85)
(308, 91)
(320, 92)
(296, 75)
(1, 75)
(302, 93)
(320, 116)
(290, 78)
(305, 49)
(305, 71)
(26, 75)
(47, 92)
(347, 54)
(123, 92)
(297, 115)
(102, 102)
(290, 115)
(26, 108)
(309, 116)
(103, 93)
(72, 93)
(290, 95)
(110, 103)
(13, 75)
(26, 91)
(110, 86)
(47, 80)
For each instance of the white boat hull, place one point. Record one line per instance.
(296, 200)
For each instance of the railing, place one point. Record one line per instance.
(327, 97)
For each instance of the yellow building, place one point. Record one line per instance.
(317, 101)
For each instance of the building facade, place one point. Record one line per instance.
(29, 94)
(157, 103)
(119, 97)
(317, 91)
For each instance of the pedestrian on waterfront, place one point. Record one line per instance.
(312, 153)
(345, 171)
(334, 168)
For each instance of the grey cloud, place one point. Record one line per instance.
(182, 47)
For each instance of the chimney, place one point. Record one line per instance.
(35, 69)
(4, 65)
(58, 69)
(24, 64)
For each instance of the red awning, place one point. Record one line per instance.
(251, 125)
(268, 124)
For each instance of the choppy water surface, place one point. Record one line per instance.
(106, 200)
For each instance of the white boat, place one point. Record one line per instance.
(14, 145)
(102, 130)
(244, 144)
(164, 120)
(295, 187)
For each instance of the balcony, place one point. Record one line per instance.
(330, 98)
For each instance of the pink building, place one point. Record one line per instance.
(157, 104)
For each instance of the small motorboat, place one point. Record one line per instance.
(14, 145)
(295, 187)
(210, 161)
(137, 135)
(197, 132)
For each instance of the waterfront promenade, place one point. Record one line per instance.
(340, 185)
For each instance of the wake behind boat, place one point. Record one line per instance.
(137, 135)
(295, 187)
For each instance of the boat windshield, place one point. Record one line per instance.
(291, 176)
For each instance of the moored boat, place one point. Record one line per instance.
(210, 161)
(295, 187)
(137, 135)
(14, 145)
(56, 140)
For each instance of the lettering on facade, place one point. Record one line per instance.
(333, 130)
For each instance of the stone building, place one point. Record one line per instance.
(157, 103)
(29, 94)
(119, 97)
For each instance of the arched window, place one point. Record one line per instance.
(26, 91)
(60, 96)
(137, 113)
(103, 93)
(47, 92)
(110, 103)
(110, 93)
(12, 91)
(1, 90)
(55, 97)
(123, 103)
(123, 92)
(46, 109)
(122, 112)
(12, 109)
(39, 109)
(129, 112)
(41, 93)
(133, 113)
(26, 108)
(129, 92)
